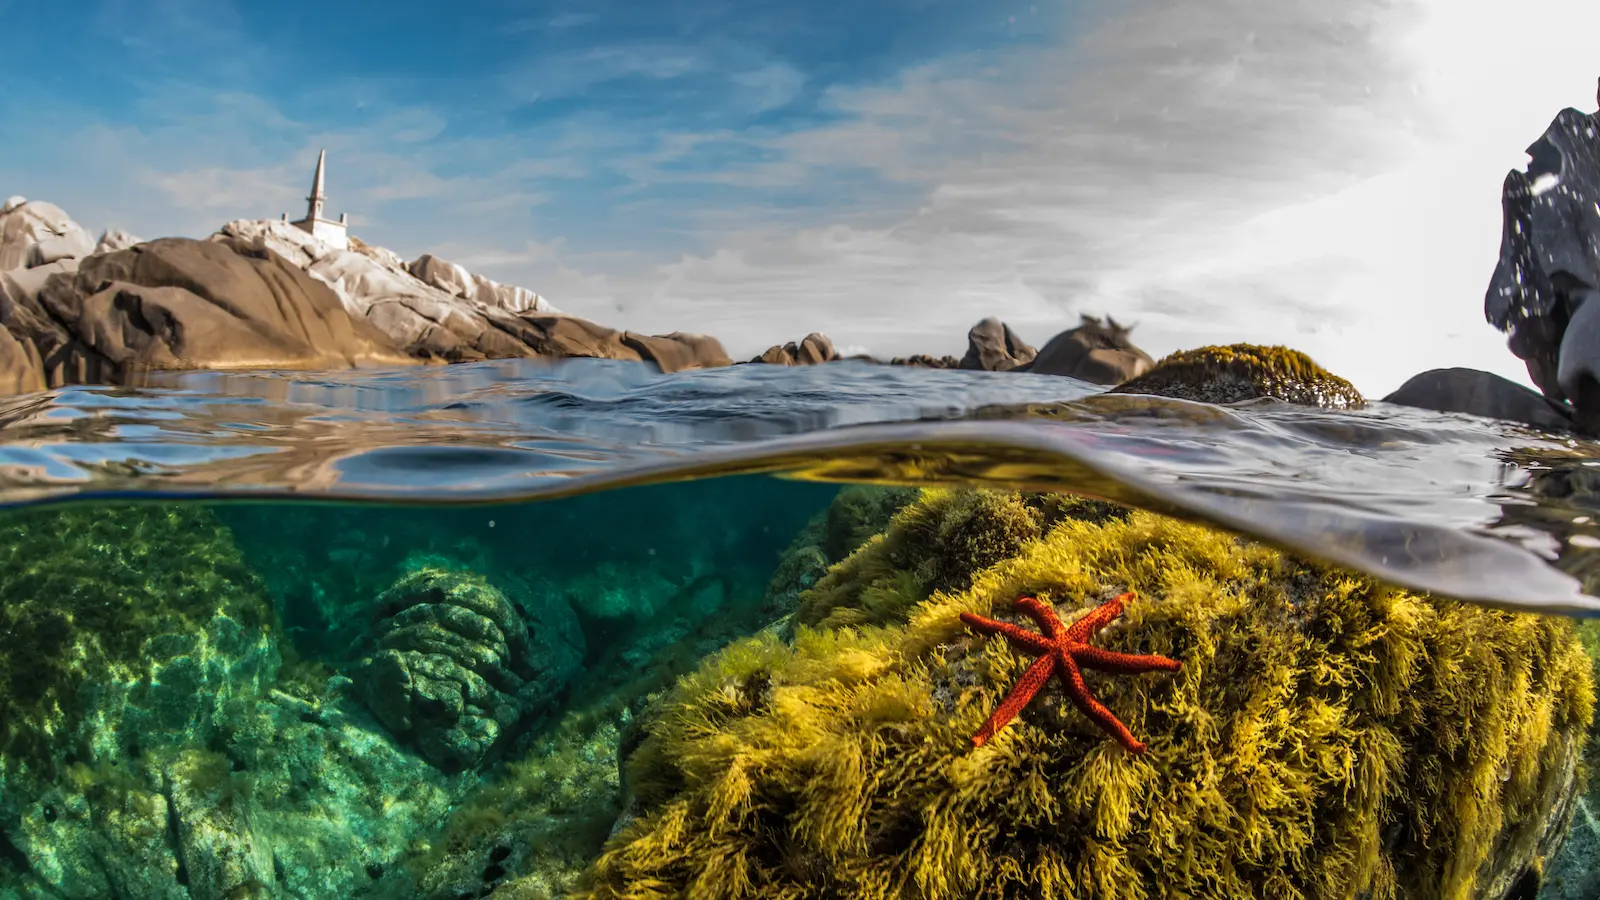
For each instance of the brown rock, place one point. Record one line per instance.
(1481, 394)
(1096, 351)
(993, 347)
(561, 336)
(177, 304)
(814, 349)
(924, 361)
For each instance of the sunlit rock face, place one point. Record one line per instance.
(1549, 266)
(33, 233)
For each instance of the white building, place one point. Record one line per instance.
(326, 230)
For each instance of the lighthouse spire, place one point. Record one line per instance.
(315, 201)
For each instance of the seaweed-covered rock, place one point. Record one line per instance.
(937, 544)
(125, 634)
(122, 628)
(857, 513)
(1328, 737)
(1245, 372)
(449, 665)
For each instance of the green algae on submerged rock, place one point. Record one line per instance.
(1239, 372)
(449, 665)
(857, 513)
(121, 628)
(1327, 738)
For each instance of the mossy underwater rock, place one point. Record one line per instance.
(121, 628)
(1240, 372)
(1327, 737)
(858, 512)
(126, 631)
(449, 665)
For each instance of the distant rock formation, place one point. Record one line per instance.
(813, 349)
(34, 234)
(924, 361)
(431, 323)
(1099, 352)
(1545, 293)
(458, 282)
(1481, 394)
(993, 347)
(115, 239)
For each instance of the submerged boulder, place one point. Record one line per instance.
(449, 666)
(1327, 736)
(129, 633)
(1240, 372)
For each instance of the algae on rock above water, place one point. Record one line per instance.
(1239, 372)
(1328, 737)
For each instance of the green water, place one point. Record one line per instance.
(322, 700)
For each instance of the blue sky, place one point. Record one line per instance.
(885, 171)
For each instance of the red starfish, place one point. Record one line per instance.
(1064, 648)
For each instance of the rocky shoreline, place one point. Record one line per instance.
(265, 294)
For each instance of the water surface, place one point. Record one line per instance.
(1465, 507)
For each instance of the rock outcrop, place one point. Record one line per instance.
(1241, 372)
(458, 282)
(1099, 352)
(993, 347)
(1484, 394)
(812, 350)
(115, 239)
(34, 234)
(180, 304)
(429, 323)
(1544, 290)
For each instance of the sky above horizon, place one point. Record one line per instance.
(1320, 175)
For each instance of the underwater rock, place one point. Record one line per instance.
(1549, 267)
(128, 632)
(993, 347)
(533, 829)
(857, 513)
(1241, 372)
(449, 666)
(1327, 737)
(1097, 351)
(1481, 393)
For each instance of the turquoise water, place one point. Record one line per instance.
(400, 634)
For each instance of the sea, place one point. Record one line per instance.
(398, 633)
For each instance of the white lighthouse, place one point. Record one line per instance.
(328, 231)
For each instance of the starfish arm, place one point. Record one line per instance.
(1016, 634)
(1094, 709)
(1096, 619)
(1049, 623)
(1123, 663)
(1024, 691)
